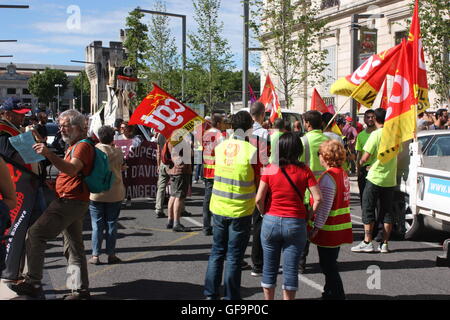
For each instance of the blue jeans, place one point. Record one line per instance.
(104, 215)
(207, 215)
(287, 235)
(230, 239)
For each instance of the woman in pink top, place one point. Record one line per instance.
(280, 196)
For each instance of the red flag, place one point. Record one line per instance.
(162, 112)
(317, 102)
(400, 121)
(270, 99)
(252, 94)
(364, 84)
(384, 97)
(331, 109)
(418, 68)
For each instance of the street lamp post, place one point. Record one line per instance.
(58, 86)
(354, 28)
(183, 17)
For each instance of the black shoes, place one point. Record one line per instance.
(180, 228)
(160, 215)
(27, 289)
(207, 232)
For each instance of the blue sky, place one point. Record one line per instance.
(44, 35)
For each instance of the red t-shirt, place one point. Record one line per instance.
(283, 199)
(74, 187)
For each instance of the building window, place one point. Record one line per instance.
(11, 91)
(329, 100)
(329, 4)
(25, 91)
(330, 69)
(399, 36)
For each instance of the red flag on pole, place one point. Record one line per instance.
(269, 98)
(400, 121)
(162, 112)
(317, 102)
(418, 68)
(384, 97)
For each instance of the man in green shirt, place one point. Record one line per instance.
(380, 182)
(369, 120)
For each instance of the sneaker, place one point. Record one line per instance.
(169, 225)
(114, 259)
(180, 228)
(383, 248)
(78, 295)
(245, 265)
(24, 288)
(186, 214)
(160, 215)
(256, 272)
(364, 247)
(94, 260)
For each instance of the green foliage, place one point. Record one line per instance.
(163, 60)
(211, 55)
(137, 45)
(289, 32)
(82, 78)
(42, 84)
(434, 18)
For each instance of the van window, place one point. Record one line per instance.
(440, 146)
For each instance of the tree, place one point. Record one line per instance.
(42, 85)
(289, 31)
(435, 30)
(137, 46)
(86, 92)
(211, 54)
(163, 60)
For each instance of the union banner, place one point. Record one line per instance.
(162, 112)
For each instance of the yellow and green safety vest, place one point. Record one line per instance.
(234, 190)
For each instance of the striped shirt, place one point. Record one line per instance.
(328, 189)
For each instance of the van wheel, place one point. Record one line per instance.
(414, 225)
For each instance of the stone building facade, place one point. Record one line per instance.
(14, 83)
(101, 71)
(383, 33)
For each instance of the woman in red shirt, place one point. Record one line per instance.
(280, 196)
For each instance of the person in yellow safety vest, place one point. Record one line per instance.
(331, 225)
(311, 142)
(211, 139)
(232, 205)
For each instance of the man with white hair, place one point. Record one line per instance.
(64, 214)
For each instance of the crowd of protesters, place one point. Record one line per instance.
(283, 187)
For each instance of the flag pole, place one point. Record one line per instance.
(337, 111)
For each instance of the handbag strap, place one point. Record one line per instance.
(292, 184)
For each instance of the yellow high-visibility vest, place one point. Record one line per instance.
(234, 189)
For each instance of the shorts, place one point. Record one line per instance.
(372, 194)
(179, 185)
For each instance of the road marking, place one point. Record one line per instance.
(432, 244)
(140, 255)
(193, 221)
(310, 283)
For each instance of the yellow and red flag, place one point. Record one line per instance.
(162, 112)
(364, 84)
(317, 102)
(419, 71)
(384, 97)
(400, 121)
(270, 100)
